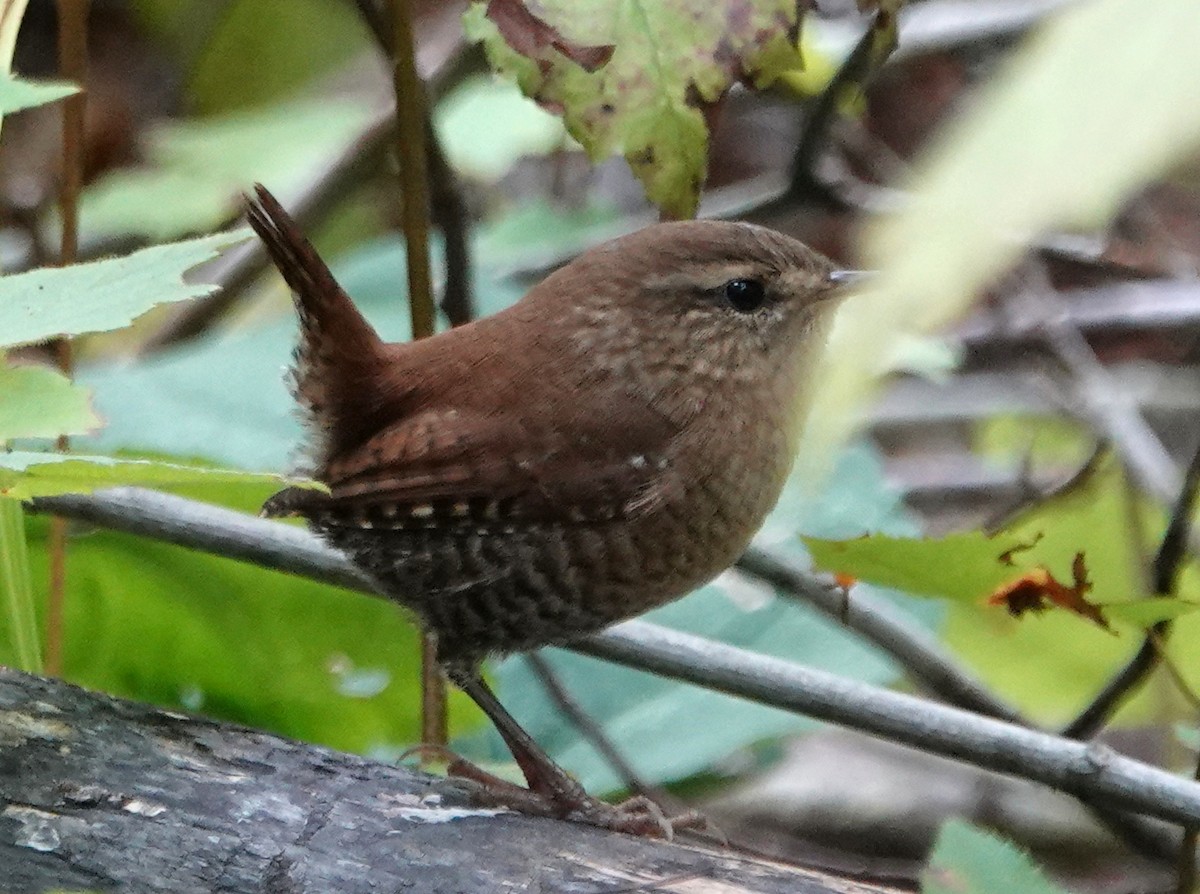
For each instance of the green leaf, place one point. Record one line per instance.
(1148, 612)
(253, 426)
(191, 631)
(967, 860)
(636, 76)
(515, 126)
(959, 566)
(1051, 663)
(38, 402)
(26, 475)
(1095, 104)
(1087, 518)
(102, 295)
(258, 51)
(18, 616)
(17, 94)
(195, 170)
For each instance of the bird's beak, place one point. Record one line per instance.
(849, 277)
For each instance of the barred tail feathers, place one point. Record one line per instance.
(338, 351)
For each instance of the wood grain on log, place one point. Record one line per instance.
(99, 794)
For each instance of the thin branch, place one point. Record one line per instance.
(239, 268)
(411, 140)
(1185, 875)
(73, 66)
(1166, 568)
(929, 665)
(593, 732)
(921, 656)
(452, 217)
(802, 180)
(1090, 771)
(1120, 420)
(448, 206)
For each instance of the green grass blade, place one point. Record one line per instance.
(16, 589)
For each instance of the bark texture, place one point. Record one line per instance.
(99, 794)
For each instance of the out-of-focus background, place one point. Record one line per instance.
(1062, 403)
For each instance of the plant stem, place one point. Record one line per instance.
(73, 66)
(414, 180)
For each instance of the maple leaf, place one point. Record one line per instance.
(1037, 589)
(640, 77)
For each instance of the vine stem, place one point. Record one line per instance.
(73, 65)
(414, 183)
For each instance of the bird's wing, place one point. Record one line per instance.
(448, 466)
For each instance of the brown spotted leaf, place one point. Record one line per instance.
(1037, 590)
(639, 76)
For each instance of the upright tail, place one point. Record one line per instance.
(339, 355)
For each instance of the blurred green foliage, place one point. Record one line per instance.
(967, 860)
(156, 622)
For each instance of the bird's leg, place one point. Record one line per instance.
(543, 776)
(561, 795)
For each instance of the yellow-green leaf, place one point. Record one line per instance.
(38, 402)
(635, 76)
(25, 475)
(102, 295)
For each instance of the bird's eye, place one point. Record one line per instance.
(745, 295)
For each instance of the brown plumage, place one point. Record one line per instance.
(604, 446)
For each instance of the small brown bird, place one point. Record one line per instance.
(604, 446)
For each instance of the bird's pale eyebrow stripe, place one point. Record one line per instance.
(712, 276)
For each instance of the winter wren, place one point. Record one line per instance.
(605, 445)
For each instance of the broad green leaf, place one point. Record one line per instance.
(39, 402)
(186, 630)
(102, 295)
(195, 171)
(1049, 664)
(253, 426)
(1148, 612)
(17, 94)
(26, 475)
(515, 126)
(1089, 518)
(636, 77)
(967, 860)
(17, 614)
(959, 566)
(259, 51)
(1095, 104)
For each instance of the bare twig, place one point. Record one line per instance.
(451, 216)
(237, 269)
(448, 206)
(1185, 867)
(1165, 571)
(802, 181)
(1148, 461)
(921, 656)
(594, 733)
(73, 66)
(927, 663)
(1089, 771)
(411, 140)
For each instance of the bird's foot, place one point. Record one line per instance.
(558, 796)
